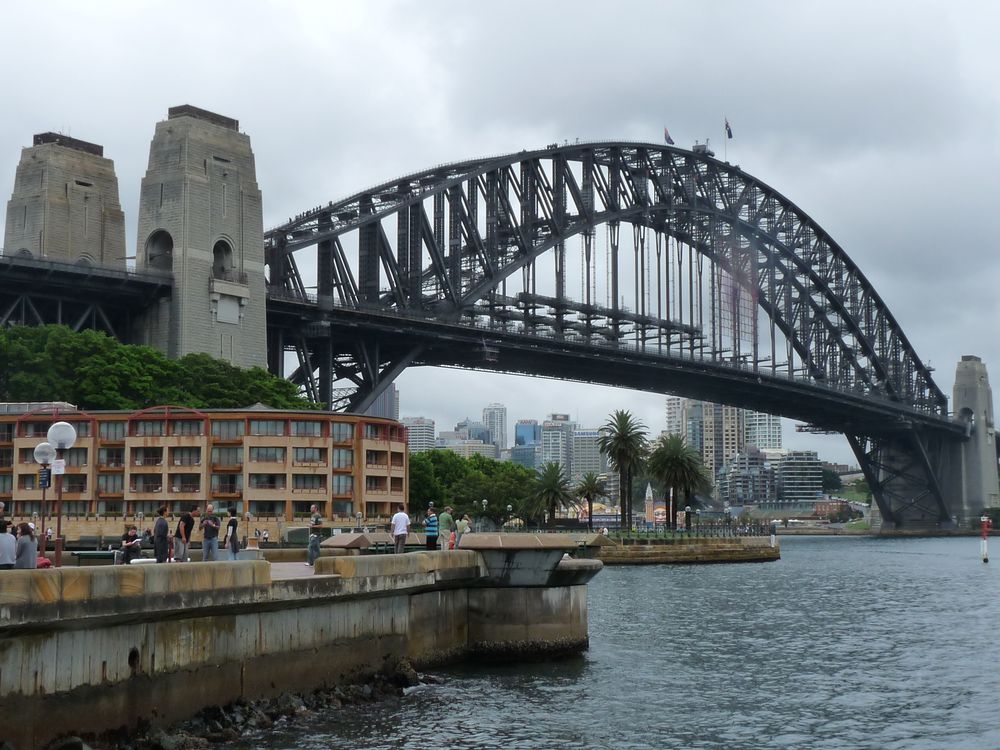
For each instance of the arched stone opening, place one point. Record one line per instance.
(160, 250)
(222, 260)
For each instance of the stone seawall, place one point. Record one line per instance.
(691, 551)
(87, 650)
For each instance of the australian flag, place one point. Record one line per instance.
(667, 138)
(729, 130)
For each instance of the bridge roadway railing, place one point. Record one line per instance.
(87, 269)
(675, 353)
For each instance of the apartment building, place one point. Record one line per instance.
(262, 461)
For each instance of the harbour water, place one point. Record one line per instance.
(844, 643)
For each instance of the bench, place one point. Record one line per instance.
(94, 555)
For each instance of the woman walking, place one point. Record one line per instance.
(230, 541)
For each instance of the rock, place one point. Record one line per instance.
(404, 675)
(65, 743)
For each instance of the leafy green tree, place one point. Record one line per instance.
(831, 480)
(92, 370)
(678, 467)
(590, 487)
(552, 490)
(424, 485)
(623, 440)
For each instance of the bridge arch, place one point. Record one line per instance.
(724, 278)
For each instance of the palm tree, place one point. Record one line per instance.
(623, 440)
(552, 489)
(678, 466)
(590, 486)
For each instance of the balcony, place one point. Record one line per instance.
(148, 461)
(146, 489)
(187, 462)
(227, 491)
(186, 487)
(308, 490)
(227, 467)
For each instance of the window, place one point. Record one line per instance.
(307, 482)
(6, 484)
(113, 457)
(82, 429)
(6, 433)
(35, 429)
(148, 428)
(112, 430)
(376, 458)
(227, 483)
(343, 484)
(186, 456)
(26, 456)
(267, 427)
(343, 508)
(229, 429)
(375, 431)
(75, 483)
(307, 429)
(227, 456)
(110, 483)
(343, 458)
(6, 457)
(148, 456)
(26, 482)
(76, 457)
(375, 484)
(341, 432)
(309, 455)
(267, 481)
(267, 453)
(185, 427)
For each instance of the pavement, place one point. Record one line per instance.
(283, 571)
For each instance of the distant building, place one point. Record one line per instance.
(586, 454)
(528, 456)
(746, 479)
(386, 405)
(468, 448)
(475, 430)
(799, 477)
(419, 434)
(761, 430)
(527, 432)
(557, 441)
(495, 419)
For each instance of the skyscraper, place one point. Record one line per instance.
(419, 434)
(527, 432)
(586, 454)
(386, 404)
(495, 419)
(762, 430)
(557, 441)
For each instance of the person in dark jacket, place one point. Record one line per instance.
(161, 534)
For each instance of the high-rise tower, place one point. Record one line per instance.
(200, 217)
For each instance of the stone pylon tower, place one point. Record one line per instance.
(200, 218)
(972, 403)
(65, 204)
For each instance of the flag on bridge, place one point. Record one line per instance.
(729, 130)
(666, 137)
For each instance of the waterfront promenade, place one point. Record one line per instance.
(88, 649)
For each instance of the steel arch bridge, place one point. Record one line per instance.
(628, 264)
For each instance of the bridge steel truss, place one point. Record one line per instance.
(418, 270)
(78, 295)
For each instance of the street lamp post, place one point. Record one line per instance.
(61, 435)
(510, 509)
(482, 522)
(43, 453)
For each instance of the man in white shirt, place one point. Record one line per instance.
(400, 528)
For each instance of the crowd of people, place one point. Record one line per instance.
(442, 531)
(175, 545)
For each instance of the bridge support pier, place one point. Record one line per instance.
(923, 481)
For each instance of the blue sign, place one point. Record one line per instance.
(45, 478)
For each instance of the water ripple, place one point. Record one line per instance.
(844, 643)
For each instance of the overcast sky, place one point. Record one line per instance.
(878, 119)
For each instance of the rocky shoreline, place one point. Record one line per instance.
(220, 724)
